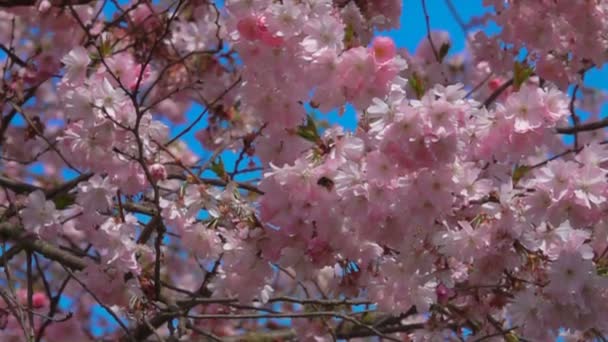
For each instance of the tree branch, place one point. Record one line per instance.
(56, 3)
(29, 243)
(591, 126)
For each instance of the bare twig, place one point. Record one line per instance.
(427, 21)
(15, 233)
(575, 119)
(101, 303)
(591, 126)
(497, 93)
(200, 116)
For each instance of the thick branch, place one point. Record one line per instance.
(219, 182)
(17, 186)
(22, 187)
(591, 126)
(28, 242)
(56, 3)
(346, 333)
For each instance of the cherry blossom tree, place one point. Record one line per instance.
(456, 210)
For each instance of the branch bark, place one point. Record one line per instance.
(15, 233)
(56, 3)
(591, 126)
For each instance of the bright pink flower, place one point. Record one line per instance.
(158, 171)
(39, 299)
(383, 49)
(248, 28)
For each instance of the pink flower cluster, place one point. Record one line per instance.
(561, 37)
(453, 206)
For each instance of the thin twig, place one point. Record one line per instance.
(427, 21)
(200, 116)
(105, 307)
(575, 119)
(591, 126)
(497, 93)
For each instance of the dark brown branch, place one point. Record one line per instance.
(22, 187)
(200, 116)
(427, 21)
(6, 120)
(139, 208)
(40, 134)
(160, 233)
(219, 182)
(32, 244)
(101, 303)
(67, 186)
(575, 119)
(591, 126)
(497, 93)
(56, 3)
(17, 186)
(13, 56)
(10, 253)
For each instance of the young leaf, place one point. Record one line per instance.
(417, 85)
(443, 51)
(519, 172)
(309, 130)
(218, 168)
(521, 73)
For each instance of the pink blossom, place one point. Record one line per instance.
(76, 63)
(384, 49)
(96, 194)
(158, 172)
(39, 213)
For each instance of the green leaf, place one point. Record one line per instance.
(511, 337)
(368, 318)
(443, 51)
(602, 270)
(349, 34)
(417, 84)
(519, 172)
(521, 73)
(63, 201)
(182, 189)
(218, 168)
(309, 130)
(105, 48)
(602, 267)
(323, 124)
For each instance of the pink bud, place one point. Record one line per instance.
(158, 172)
(39, 300)
(384, 49)
(266, 36)
(44, 6)
(248, 28)
(443, 293)
(137, 71)
(494, 83)
(271, 40)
